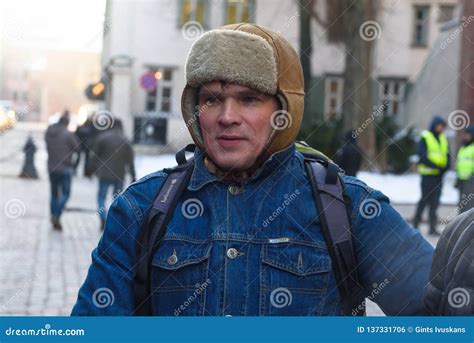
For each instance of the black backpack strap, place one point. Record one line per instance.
(152, 234)
(328, 191)
(181, 155)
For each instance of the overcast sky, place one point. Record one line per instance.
(57, 24)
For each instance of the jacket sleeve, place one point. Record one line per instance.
(108, 288)
(394, 259)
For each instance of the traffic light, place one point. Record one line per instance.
(95, 91)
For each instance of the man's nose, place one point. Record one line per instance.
(229, 114)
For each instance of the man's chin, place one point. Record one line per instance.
(233, 164)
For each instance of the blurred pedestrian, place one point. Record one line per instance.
(349, 156)
(29, 170)
(465, 170)
(62, 145)
(86, 134)
(434, 161)
(112, 154)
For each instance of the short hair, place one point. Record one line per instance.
(64, 120)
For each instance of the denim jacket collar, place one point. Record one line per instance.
(201, 176)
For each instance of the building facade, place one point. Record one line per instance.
(146, 42)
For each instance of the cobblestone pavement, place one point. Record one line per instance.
(41, 270)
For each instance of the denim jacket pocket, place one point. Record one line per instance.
(293, 279)
(180, 277)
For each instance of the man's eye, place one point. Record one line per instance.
(251, 99)
(211, 100)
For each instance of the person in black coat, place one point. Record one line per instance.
(111, 157)
(349, 156)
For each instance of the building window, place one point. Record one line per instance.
(446, 13)
(194, 10)
(159, 98)
(149, 131)
(333, 94)
(421, 21)
(150, 101)
(391, 95)
(239, 11)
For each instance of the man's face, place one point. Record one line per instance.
(235, 123)
(440, 128)
(466, 137)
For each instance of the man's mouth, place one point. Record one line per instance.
(230, 141)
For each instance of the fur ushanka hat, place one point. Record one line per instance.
(252, 56)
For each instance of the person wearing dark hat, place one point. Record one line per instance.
(245, 234)
(465, 170)
(434, 161)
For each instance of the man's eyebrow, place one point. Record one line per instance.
(251, 92)
(207, 92)
(242, 93)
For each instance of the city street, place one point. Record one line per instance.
(42, 269)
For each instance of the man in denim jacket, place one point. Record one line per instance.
(245, 238)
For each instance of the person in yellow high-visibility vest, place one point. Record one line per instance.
(434, 161)
(465, 170)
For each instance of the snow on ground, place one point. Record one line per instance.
(146, 164)
(401, 189)
(406, 189)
